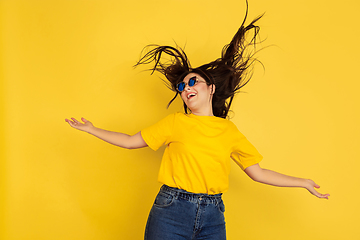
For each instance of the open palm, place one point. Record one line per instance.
(83, 126)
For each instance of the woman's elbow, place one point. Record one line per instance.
(255, 172)
(136, 141)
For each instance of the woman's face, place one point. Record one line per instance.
(198, 98)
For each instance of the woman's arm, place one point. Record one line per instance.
(256, 173)
(115, 138)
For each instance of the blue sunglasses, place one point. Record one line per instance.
(181, 86)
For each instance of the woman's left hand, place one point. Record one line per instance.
(311, 185)
(266, 176)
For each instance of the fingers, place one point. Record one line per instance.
(326, 196)
(311, 185)
(317, 194)
(69, 121)
(74, 122)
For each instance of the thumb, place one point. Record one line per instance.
(84, 120)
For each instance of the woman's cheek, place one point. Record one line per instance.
(183, 97)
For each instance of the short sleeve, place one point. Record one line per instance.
(159, 134)
(244, 153)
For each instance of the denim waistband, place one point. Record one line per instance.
(193, 197)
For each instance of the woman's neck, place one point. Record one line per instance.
(203, 112)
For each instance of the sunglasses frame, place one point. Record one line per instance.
(181, 85)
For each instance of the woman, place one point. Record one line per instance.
(200, 142)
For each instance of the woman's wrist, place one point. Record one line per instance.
(91, 130)
(308, 183)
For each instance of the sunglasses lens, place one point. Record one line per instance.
(192, 81)
(181, 86)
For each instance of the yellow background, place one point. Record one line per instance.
(73, 58)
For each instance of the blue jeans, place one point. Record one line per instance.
(181, 215)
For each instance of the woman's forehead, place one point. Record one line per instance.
(190, 75)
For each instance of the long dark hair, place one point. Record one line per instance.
(229, 73)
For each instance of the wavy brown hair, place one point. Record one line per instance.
(229, 73)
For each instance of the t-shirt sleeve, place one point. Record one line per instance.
(244, 153)
(160, 133)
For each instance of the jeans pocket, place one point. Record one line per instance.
(221, 206)
(163, 200)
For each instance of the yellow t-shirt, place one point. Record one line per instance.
(198, 151)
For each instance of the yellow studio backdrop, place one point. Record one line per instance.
(62, 59)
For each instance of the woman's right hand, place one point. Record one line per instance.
(85, 126)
